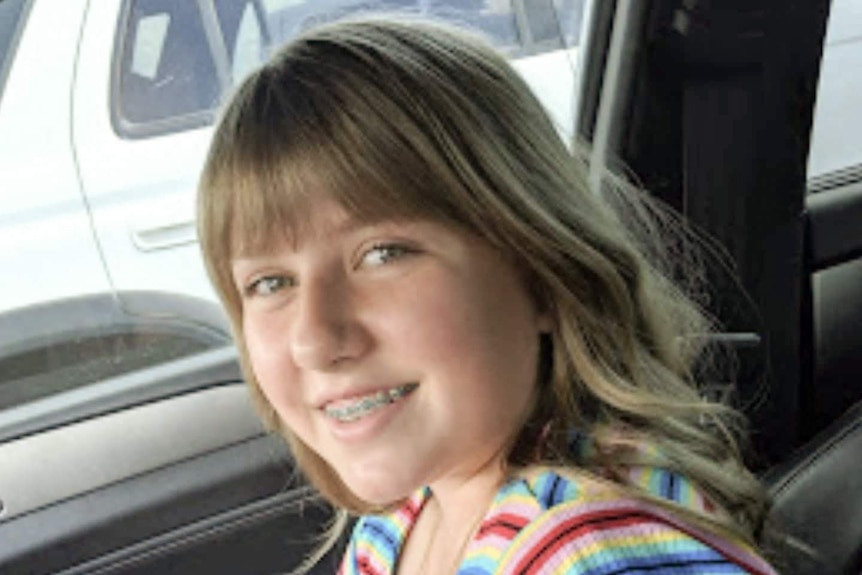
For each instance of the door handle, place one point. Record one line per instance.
(165, 236)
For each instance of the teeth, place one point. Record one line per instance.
(369, 403)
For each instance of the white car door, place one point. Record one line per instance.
(47, 250)
(145, 94)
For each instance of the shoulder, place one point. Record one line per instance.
(372, 548)
(607, 537)
(601, 531)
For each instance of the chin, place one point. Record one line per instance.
(378, 488)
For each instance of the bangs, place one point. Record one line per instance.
(299, 132)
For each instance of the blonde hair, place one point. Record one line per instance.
(413, 119)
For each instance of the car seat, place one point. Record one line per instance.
(818, 500)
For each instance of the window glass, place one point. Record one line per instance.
(244, 38)
(167, 68)
(836, 149)
(496, 19)
(570, 14)
(11, 21)
(543, 23)
(249, 49)
(172, 60)
(516, 27)
(44, 371)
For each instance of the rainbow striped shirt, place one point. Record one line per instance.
(545, 523)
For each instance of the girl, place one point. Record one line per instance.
(462, 344)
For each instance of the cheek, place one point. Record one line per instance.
(259, 337)
(470, 331)
(270, 365)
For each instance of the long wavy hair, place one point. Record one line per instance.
(417, 119)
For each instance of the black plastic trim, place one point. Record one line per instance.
(831, 180)
(835, 225)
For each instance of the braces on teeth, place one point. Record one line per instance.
(370, 403)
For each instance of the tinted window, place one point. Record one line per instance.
(516, 27)
(544, 25)
(11, 23)
(178, 57)
(245, 40)
(167, 68)
(570, 14)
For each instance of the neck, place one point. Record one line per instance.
(451, 518)
(457, 502)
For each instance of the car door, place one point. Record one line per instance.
(150, 76)
(44, 228)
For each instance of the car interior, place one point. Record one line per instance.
(709, 106)
(716, 120)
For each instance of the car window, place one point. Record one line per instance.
(517, 27)
(569, 16)
(836, 150)
(105, 308)
(112, 173)
(834, 219)
(167, 69)
(172, 53)
(12, 16)
(245, 39)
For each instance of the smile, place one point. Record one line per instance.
(368, 404)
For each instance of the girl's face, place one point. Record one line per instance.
(403, 352)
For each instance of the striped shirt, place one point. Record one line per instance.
(546, 523)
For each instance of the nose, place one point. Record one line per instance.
(326, 331)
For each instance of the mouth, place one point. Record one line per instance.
(357, 408)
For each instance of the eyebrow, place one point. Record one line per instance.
(348, 225)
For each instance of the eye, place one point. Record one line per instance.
(381, 254)
(267, 285)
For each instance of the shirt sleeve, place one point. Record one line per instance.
(619, 538)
